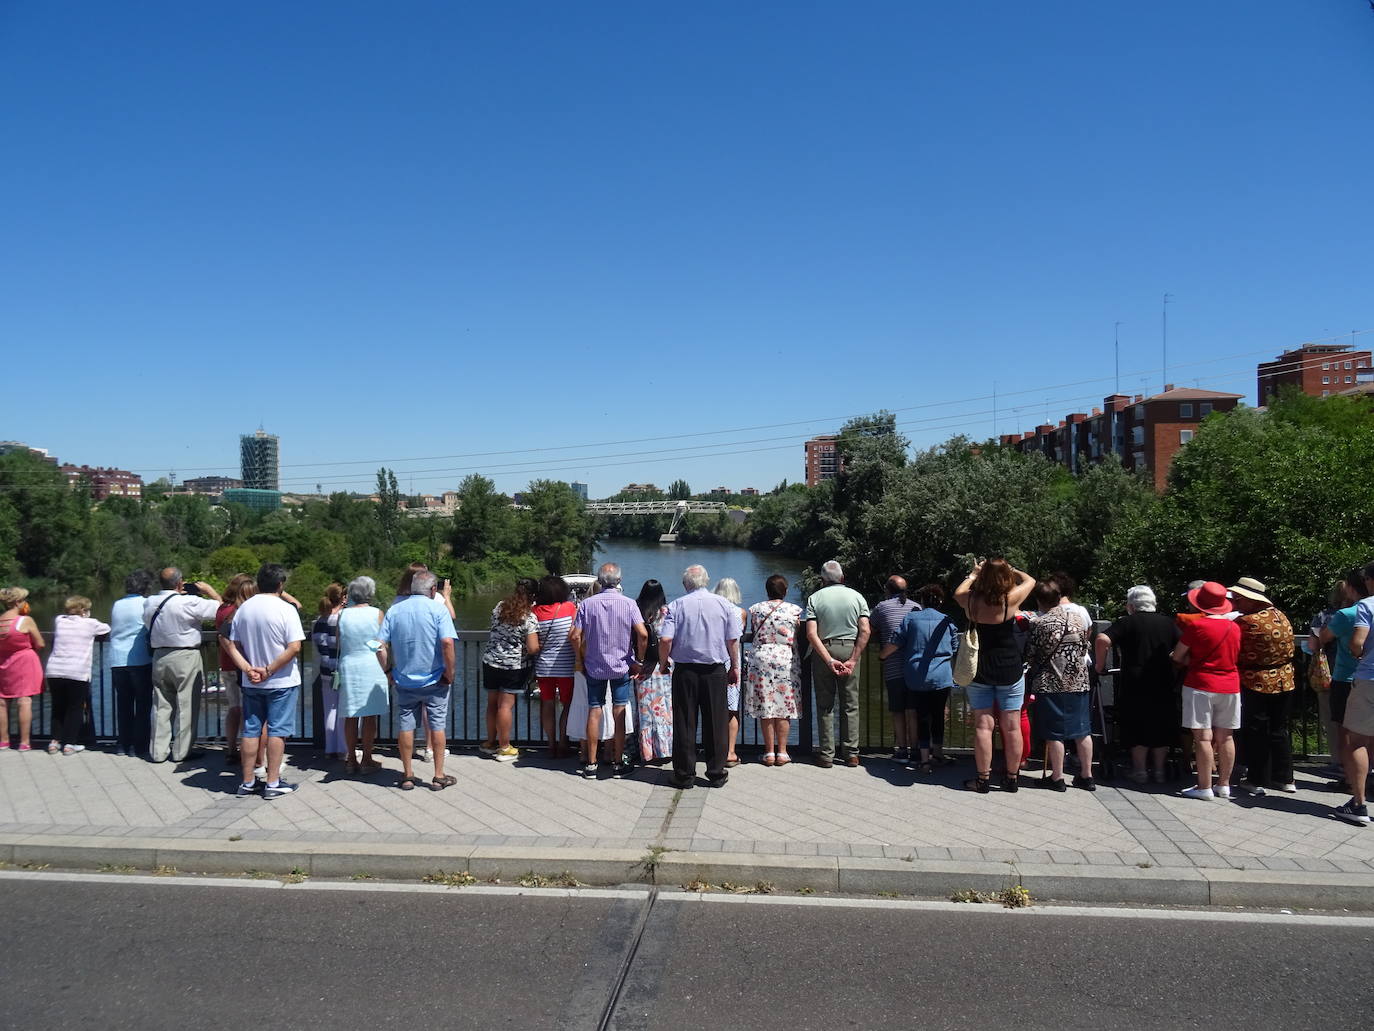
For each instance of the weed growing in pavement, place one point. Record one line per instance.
(295, 876)
(1015, 897)
(1145, 866)
(652, 858)
(362, 877)
(116, 868)
(889, 895)
(236, 837)
(163, 870)
(696, 884)
(456, 879)
(539, 880)
(33, 866)
(260, 875)
(806, 889)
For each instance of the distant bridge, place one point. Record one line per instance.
(677, 509)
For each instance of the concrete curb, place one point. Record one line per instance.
(845, 876)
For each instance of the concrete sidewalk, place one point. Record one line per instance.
(874, 829)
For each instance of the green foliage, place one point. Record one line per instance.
(484, 523)
(679, 490)
(47, 522)
(223, 563)
(556, 527)
(388, 507)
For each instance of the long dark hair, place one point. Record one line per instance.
(513, 610)
(651, 600)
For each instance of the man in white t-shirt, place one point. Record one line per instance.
(265, 643)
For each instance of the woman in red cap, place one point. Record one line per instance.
(1208, 648)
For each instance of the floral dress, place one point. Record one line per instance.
(774, 677)
(654, 702)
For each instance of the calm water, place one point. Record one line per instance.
(640, 561)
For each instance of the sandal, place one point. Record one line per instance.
(782, 759)
(769, 758)
(446, 781)
(408, 783)
(981, 783)
(1010, 783)
(926, 767)
(730, 764)
(351, 766)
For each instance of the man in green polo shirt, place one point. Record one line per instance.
(837, 630)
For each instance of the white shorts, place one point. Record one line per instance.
(1209, 710)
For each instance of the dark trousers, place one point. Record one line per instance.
(930, 717)
(133, 691)
(69, 698)
(1268, 749)
(699, 688)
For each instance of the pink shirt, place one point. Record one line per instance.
(73, 640)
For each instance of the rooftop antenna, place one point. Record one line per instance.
(1164, 334)
(1116, 345)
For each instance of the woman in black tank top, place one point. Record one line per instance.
(991, 595)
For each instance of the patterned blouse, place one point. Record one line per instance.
(1058, 643)
(1266, 652)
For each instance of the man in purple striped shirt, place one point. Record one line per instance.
(612, 630)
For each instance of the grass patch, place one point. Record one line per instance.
(116, 868)
(236, 837)
(757, 888)
(364, 876)
(295, 876)
(259, 875)
(539, 880)
(1014, 897)
(806, 889)
(889, 895)
(162, 870)
(652, 858)
(456, 879)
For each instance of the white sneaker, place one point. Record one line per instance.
(73, 749)
(1253, 790)
(1224, 791)
(1197, 792)
(1289, 788)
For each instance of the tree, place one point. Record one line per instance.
(557, 528)
(484, 523)
(388, 506)
(49, 522)
(680, 490)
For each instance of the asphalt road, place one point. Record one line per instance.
(119, 954)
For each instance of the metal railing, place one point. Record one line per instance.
(468, 706)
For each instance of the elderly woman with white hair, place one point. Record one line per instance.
(1146, 706)
(361, 673)
(727, 588)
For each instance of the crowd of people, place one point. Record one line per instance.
(645, 677)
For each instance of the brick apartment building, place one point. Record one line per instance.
(105, 482)
(1321, 370)
(821, 459)
(1146, 432)
(212, 486)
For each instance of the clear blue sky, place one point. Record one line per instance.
(392, 233)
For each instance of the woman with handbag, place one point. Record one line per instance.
(991, 595)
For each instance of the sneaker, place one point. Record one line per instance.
(506, 755)
(1224, 791)
(624, 767)
(589, 771)
(487, 748)
(73, 749)
(54, 747)
(1055, 784)
(423, 755)
(1253, 790)
(245, 790)
(901, 755)
(1197, 792)
(1352, 813)
(1289, 788)
(282, 788)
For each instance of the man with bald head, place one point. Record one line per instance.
(174, 617)
(700, 636)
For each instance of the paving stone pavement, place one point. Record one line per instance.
(878, 810)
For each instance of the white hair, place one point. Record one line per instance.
(729, 590)
(608, 575)
(832, 572)
(423, 582)
(1141, 598)
(695, 577)
(362, 589)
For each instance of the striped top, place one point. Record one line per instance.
(325, 636)
(555, 658)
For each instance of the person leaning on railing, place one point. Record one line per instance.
(174, 617)
(927, 641)
(69, 672)
(131, 666)
(21, 671)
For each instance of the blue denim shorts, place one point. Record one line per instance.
(622, 689)
(434, 701)
(274, 706)
(1007, 697)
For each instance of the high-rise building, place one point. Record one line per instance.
(259, 461)
(1321, 370)
(579, 488)
(821, 459)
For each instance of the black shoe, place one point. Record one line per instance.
(718, 782)
(231, 759)
(681, 783)
(1086, 783)
(1055, 784)
(624, 767)
(195, 753)
(589, 771)
(1011, 783)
